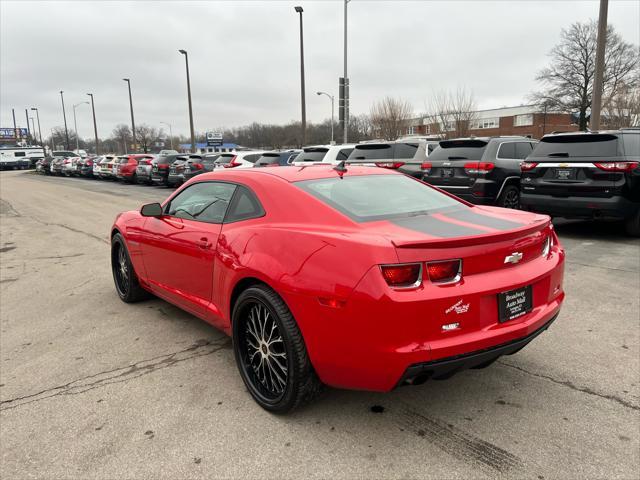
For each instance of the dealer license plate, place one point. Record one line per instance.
(514, 303)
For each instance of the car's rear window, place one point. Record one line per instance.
(268, 159)
(377, 197)
(582, 145)
(312, 155)
(459, 150)
(631, 143)
(374, 151)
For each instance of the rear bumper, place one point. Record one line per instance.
(175, 179)
(446, 367)
(616, 207)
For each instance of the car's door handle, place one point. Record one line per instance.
(204, 243)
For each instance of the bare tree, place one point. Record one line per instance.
(122, 135)
(390, 117)
(146, 135)
(622, 108)
(568, 81)
(452, 113)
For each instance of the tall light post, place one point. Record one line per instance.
(170, 133)
(332, 98)
(39, 131)
(346, 79)
(302, 94)
(193, 136)
(133, 123)
(64, 115)
(95, 125)
(596, 101)
(75, 124)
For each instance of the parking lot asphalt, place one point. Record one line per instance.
(93, 388)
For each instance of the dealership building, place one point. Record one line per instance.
(526, 120)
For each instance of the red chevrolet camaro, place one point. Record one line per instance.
(359, 278)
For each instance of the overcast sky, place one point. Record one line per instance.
(244, 56)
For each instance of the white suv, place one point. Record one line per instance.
(245, 159)
(332, 154)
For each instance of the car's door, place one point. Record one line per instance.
(178, 248)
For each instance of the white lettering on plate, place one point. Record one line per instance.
(457, 307)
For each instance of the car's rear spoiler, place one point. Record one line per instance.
(473, 240)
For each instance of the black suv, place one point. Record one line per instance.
(405, 156)
(482, 170)
(593, 175)
(160, 168)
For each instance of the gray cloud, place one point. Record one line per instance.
(244, 56)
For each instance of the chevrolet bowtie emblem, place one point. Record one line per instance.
(515, 257)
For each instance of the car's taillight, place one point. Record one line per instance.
(426, 167)
(479, 167)
(405, 275)
(526, 166)
(197, 166)
(617, 166)
(389, 164)
(232, 163)
(546, 246)
(444, 271)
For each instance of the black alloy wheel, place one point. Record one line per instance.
(270, 352)
(510, 197)
(124, 277)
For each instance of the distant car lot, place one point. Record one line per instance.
(86, 386)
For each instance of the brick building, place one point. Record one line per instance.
(525, 120)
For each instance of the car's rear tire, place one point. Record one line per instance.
(124, 277)
(632, 224)
(510, 197)
(270, 352)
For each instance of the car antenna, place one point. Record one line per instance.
(340, 168)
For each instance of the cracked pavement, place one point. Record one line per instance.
(93, 388)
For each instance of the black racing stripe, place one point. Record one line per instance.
(435, 227)
(470, 216)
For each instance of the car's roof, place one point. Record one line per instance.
(296, 174)
(594, 132)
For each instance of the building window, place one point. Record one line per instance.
(485, 123)
(523, 120)
(412, 130)
(447, 126)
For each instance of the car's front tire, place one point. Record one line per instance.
(124, 277)
(270, 352)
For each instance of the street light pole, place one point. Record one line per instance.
(346, 87)
(332, 98)
(170, 133)
(133, 123)
(75, 124)
(39, 130)
(95, 125)
(64, 115)
(193, 136)
(596, 101)
(302, 93)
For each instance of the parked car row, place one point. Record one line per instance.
(592, 175)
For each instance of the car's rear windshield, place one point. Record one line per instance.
(459, 150)
(631, 143)
(383, 151)
(582, 145)
(165, 159)
(377, 197)
(63, 154)
(268, 159)
(312, 155)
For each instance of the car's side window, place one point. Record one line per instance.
(245, 205)
(507, 150)
(203, 202)
(523, 149)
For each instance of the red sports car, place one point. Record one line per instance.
(353, 277)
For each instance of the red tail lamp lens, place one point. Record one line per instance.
(526, 166)
(479, 167)
(426, 166)
(232, 163)
(617, 166)
(389, 164)
(446, 271)
(406, 275)
(197, 166)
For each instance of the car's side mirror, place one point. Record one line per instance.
(151, 210)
